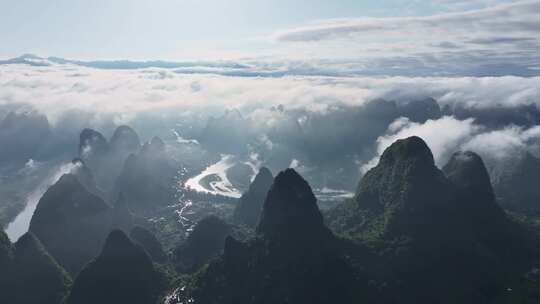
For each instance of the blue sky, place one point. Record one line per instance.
(175, 29)
(394, 37)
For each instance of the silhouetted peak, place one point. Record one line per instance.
(91, 142)
(118, 245)
(131, 160)
(122, 217)
(70, 198)
(232, 114)
(85, 176)
(208, 228)
(4, 240)
(467, 170)
(29, 243)
(378, 106)
(420, 110)
(205, 242)
(149, 242)
(71, 222)
(250, 204)
(411, 148)
(125, 138)
(91, 136)
(67, 180)
(234, 251)
(155, 145)
(122, 273)
(290, 207)
(157, 142)
(29, 56)
(405, 190)
(29, 249)
(5, 248)
(263, 177)
(34, 266)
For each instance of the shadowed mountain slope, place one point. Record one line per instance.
(250, 205)
(122, 273)
(294, 258)
(71, 223)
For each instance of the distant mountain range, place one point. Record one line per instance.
(35, 60)
(264, 67)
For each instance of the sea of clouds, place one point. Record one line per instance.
(106, 97)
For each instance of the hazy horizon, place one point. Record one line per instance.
(482, 37)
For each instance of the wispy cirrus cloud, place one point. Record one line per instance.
(497, 39)
(520, 17)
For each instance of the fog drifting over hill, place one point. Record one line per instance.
(156, 100)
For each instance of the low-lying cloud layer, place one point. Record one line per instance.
(124, 94)
(331, 122)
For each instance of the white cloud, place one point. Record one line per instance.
(139, 98)
(448, 135)
(125, 94)
(520, 17)
(460, 5)
(443, 136)
(504, 143)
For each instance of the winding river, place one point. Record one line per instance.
(218, 183)
(21, 223)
